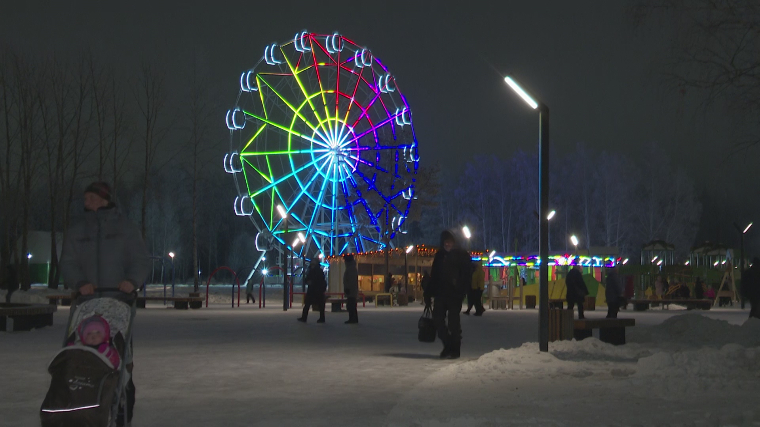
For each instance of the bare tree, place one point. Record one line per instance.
(150, 94)
(64, 97)
(10, 173)
(199, 111)
(715, 50)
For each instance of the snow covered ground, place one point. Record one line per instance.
(245, 366)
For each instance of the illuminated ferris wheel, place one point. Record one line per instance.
(322, 144)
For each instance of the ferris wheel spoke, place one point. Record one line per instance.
(317, 204)
(285, 177)
(296, 111)
(283, 128)
(305, 94)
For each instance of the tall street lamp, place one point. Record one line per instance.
(284, 214)
(409, 249)
(549, 228)
(543, 207)
(741, 250)
(467, 235)
(171, 255)
(574, 241)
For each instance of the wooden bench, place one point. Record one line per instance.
(390, 298)
(611, 331)
(65, 299)
(691, 304)
(180, 303)
(25, 317)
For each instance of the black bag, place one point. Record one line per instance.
(426, 326)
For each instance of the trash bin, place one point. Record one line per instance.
(530, 301)
(560, 324)
(590, 304)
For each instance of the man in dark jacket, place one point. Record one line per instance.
(450, 280)
(576, 290)
(106, 251)
(751, 287)
(351, 288)
(315, 293)
(614, 291)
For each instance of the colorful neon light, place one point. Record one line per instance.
(323, 141)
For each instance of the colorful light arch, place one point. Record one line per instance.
(321, 127)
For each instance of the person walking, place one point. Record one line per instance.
(450, 280)
(699, 289)
(751, 287)
(475, 295)
(614, 291)
(315, 293)
(658, 287)
(249, 292)
(576, 290)
(351, 288)
(106, 250)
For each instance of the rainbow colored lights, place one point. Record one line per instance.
(534, 260)
(321, 128)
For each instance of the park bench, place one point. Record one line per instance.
(25, 317)
(611, 331)
(691, 304)
(389, 296)
(180, 303)
(65, 299)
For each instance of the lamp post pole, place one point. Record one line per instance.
(285, 270)
(284, 215)
(543, 207)
(741, 254)
(543, 227)
(171, 255)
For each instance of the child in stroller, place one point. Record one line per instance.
(89, 378)
(95, 332)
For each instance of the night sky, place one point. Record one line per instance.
(600, 76)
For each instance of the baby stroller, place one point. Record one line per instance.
(85, 389)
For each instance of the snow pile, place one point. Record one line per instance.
(32, 296)
(688, 358)
(696, 330)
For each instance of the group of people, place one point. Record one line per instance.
(317, 286)
(106, 250)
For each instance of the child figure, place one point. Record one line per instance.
(95, 332)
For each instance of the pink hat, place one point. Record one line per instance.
(95, 322)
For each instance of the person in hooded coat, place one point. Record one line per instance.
(315, 293)
(614, 291)
(576, 290)
(351, 288)
(105, 250)
(475, 295)
(751, 287)
(451, 278)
